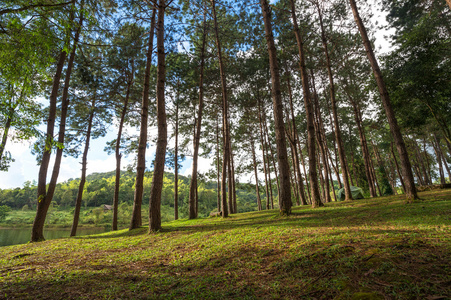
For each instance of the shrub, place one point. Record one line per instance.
(4, 211)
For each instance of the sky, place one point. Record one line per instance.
(25, 167)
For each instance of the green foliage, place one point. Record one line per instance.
(99, 188)
(418, 70)
(385, 186)
(4, 211)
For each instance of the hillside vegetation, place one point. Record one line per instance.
(99, 190)
(365, 249)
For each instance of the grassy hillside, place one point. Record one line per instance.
(366, 249)
(99, 190)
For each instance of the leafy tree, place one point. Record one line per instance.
(4, 211)
(418, 70)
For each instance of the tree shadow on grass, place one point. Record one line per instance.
(430, 213)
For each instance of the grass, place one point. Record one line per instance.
(366, 249)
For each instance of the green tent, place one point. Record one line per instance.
(357, 193)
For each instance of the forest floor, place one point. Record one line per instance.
(377, 248)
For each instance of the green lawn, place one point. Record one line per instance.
(365, 249)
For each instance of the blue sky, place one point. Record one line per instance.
(25, 167)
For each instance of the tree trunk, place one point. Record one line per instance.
(339, 142)
(293, 142)
(392, 177)
(373, 172)
(352, 178)
(136, 220)
(270, 158)
(6, 130)
(332, 182)
(303, 168)
(316, 200)
(422, 165)
(225, 109)
(334, 164)
(439, 159)
(37, 231)
(196, 142)
(294, 179)
(321, 178)
(282, 155)
(84, 159)
(64, 108)
(218, 167)
(397, 167)
(118, 153)
(10, 116)
(426, 156)
(266, 165)
(411, 192)
(162, 140)
(176, 164)
(254, 161)
(439, 148)
(364, 146)
(325, 179)
(230, 188)
(235, 208)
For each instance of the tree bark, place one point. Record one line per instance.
(37, 231)
(341, 152)
(439, 159)
(254, 161)
(136, 220)
(6, 130)
(32, 6)
(316, 199)
(397, 167)
(225, 109)
(439, 148)
(426, 156)
(270, 157)
(411, 193)
(303, 168)
(294, 179)
(230, 187)
(293, 142)
(196, 142)
(282, 155)
(376, 181)
(421, 163)
(117, 150)
(235, 208)
(64, 109)
(266, 164)
(84, 159)
(176, 164)
(218, 167)
(364, 146)
(325, 179)
(162, 140)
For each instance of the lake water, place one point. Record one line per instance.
(14, 236)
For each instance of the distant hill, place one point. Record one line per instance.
(99, 190)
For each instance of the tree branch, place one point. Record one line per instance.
(13, 10)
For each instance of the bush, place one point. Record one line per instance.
(4, 211)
